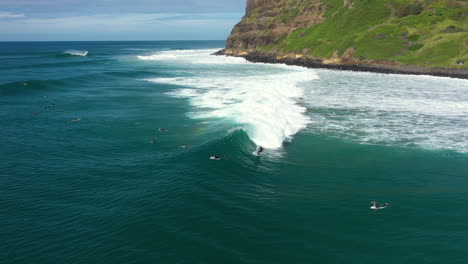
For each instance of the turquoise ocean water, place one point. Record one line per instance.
(97, 190)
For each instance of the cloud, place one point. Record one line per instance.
(120, 6)
(10, 15)
(156, 26)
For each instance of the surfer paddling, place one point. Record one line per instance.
(162, 130)
(376, 206)
(215, 157)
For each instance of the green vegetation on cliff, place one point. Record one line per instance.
(420, 32)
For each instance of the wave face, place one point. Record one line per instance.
(82, 53)
(261, 98)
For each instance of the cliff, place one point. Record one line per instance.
(421, 35)
(253, 4)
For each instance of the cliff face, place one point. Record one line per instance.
(266, 21)
(253, 4)
(427, 33)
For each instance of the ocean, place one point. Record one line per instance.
(105, 158)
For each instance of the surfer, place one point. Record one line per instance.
(162, 130)
(259, 150)
(153, 141)
(376, 206)
(215, 157)
(76, 120)
(185, 146)
(25, 84)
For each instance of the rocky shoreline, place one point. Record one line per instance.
(364, 67)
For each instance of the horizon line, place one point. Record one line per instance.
(167, 40)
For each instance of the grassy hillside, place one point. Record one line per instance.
(425, 32)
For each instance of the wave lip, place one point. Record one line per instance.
(192, 57)
(263, 102)
(82, 53)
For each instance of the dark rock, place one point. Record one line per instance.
(379, 68)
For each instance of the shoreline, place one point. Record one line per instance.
(377, 68)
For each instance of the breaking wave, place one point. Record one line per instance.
(82, 53)
(264, 102)
(192, 57)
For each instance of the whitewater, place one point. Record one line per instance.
(274, 102)
(265, 103)
(81, 53)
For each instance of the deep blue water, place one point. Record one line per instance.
(97, 190)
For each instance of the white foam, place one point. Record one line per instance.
(81, 53)
(262, 101)
(398, 110)
(192, 57)
(410, 111)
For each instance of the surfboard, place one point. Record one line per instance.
(378, 208)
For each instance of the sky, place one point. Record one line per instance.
(74, 20)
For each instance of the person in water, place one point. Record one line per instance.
(153, 141)
(376, 206)
(259, 150)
